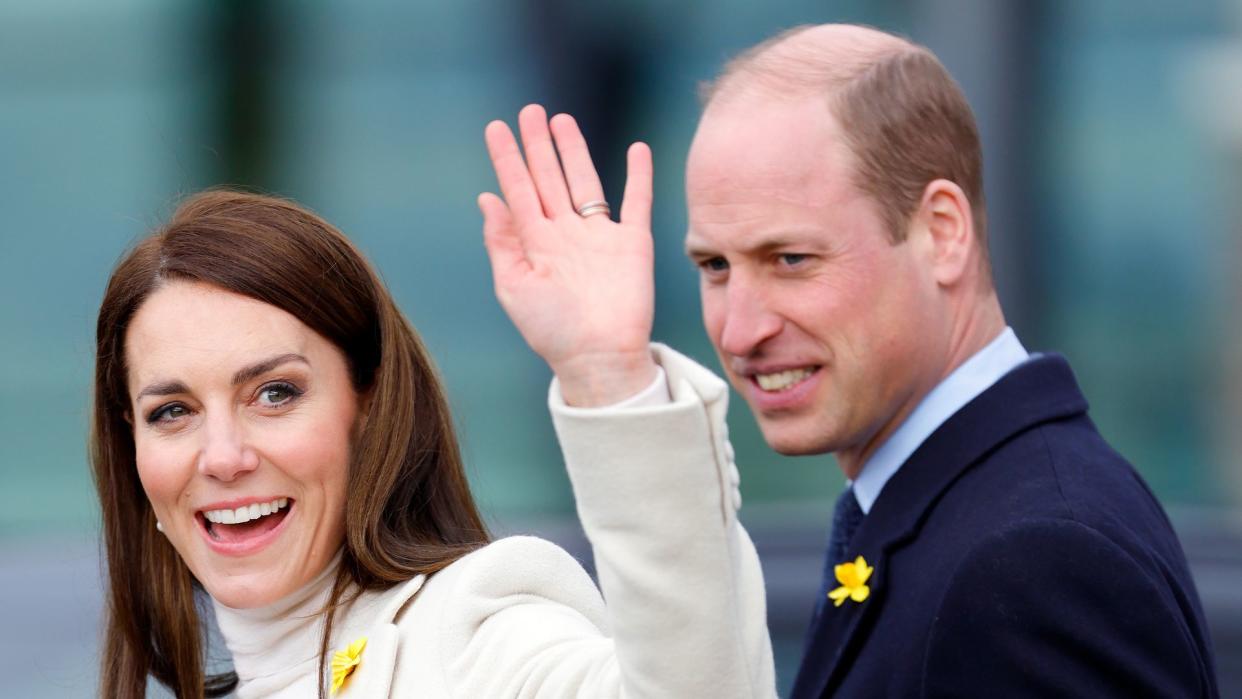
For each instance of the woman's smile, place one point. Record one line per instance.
(246, 528)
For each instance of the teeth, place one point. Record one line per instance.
(781, 380)
(246, 512)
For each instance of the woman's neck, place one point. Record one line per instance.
(281, 637)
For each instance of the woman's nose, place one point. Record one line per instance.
(225, 454)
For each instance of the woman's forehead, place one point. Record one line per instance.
(190, 327)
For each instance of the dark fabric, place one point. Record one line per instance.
(846, 516)
(1016, 554)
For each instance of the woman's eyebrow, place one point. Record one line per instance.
(169, 388)
(165, 388)
(248, 373)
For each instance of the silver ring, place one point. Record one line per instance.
(599, 206)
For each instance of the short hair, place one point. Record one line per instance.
(904, 117)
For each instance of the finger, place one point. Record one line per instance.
(504, 247)
(636, 207)
(580, 173)
(511, 173)
(545, 168)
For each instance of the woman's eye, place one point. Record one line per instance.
(277, 394)
(168, 413)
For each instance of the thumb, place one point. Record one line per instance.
(504, 247)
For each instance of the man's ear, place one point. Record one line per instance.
(945, 214)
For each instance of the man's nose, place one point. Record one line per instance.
(225, 454)
(749, 321)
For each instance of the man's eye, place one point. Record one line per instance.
(277, 394)
(714, 264)
(793, 259)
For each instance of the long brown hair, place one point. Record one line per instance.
(408, 509)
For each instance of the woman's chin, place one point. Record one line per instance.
(249, 591)
(254, 583)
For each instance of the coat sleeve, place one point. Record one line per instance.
(657, 493)
(685, 618)
(518, 618)
(1055, 608)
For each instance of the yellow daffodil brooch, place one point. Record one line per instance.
(853, 578)
(345, 661)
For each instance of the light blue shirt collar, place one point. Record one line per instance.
(973, 377)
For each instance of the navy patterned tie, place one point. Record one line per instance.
(846, 517)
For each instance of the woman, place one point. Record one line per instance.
(268, 428)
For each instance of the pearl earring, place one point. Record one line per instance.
(159, 526)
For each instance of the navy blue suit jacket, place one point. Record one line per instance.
(1016, 554)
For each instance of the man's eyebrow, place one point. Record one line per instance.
(259, 368)
(696, 250)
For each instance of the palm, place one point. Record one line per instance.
(578, 288)
(581, 286)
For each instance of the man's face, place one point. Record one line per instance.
(829, 330)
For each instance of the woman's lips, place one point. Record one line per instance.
(246, 538)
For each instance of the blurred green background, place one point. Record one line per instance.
(1113, 147)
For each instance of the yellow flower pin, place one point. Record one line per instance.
(345, 661)
(853, 578)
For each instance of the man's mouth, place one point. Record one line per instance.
(245, 522)
(776, 382)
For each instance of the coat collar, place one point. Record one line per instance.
(374, 677)
(276, 648)
(1041, 390)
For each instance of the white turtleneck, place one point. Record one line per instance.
(276, 648)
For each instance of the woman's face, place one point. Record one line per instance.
(243, 418)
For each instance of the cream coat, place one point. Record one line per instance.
(657, 493)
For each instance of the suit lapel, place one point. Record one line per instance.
(1040, 390)
(836, 626)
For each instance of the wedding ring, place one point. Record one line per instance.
(599, 206)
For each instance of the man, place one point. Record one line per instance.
(836, 208)
(990, 542)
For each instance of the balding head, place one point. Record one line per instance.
(806, 60)
(903, 116)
